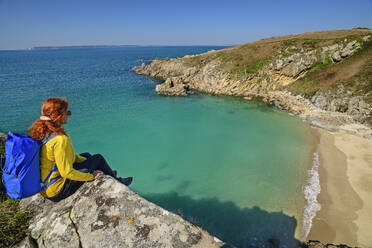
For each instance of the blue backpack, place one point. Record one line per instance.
(21, 175)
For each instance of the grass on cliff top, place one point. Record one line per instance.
(239, 60)
(242, 60)
(13, 221)
(354, 74)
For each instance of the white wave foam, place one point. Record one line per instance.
(311, 191)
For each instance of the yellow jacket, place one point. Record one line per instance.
(58, 151)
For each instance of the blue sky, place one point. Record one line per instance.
(28, 23)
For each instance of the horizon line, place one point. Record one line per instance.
(105, 46)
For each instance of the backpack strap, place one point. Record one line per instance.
(1, 162)
(48, 137)
(2, 168)
(52, 181)
(45, 140)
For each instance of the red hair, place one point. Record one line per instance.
(54, 108)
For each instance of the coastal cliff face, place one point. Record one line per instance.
(281, 71)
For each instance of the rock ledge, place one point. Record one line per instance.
(105, 213)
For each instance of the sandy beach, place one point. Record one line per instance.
(345, 173)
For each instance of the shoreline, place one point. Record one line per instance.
(311, 188)
(345, 175)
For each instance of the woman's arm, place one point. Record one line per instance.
(65, 156)
(79, 159)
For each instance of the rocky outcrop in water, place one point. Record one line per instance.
(172, 87)
(105, 213)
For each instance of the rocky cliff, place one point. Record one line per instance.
(278, 70)
(105, 213)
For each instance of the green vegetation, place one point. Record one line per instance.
(305, 86)
(308, 86)
(361, 42)
(236, 61)
(249, 58)
(318, 65)
(354, 74)
(13, 222)
(302, 43)
(327, 60)
(255, 66)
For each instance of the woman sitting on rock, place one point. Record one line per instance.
(73, 169)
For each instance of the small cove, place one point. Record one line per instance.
(235, 168)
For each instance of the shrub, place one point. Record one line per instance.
(361, 28)
(254, 67)
(13, 222)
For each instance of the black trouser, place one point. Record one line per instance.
(93, 162)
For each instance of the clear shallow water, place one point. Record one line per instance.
(236, 168)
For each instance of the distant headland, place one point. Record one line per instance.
(78, 47)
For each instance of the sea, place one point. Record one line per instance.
(240, 169)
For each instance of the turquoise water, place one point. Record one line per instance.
(234, 167)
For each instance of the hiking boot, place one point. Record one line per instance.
(126, 181)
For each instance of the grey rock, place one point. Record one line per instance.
(28, 242)
(349, 50)
(366, 38)
(347, 53)
(369, 136)
(325, 49)
(293, 69)
(340, 90)
(336, 56)
(308, 61)
(343, 102)
(321, 124)
(339, 105)
(318, 244)
(106, 213)
(279, 64)
(333, 47)
(351, 44)
(172, 87)
(290, 59)
(319, 101)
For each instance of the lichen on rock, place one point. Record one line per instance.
(106, 213)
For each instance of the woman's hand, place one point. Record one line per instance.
(97, 173)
